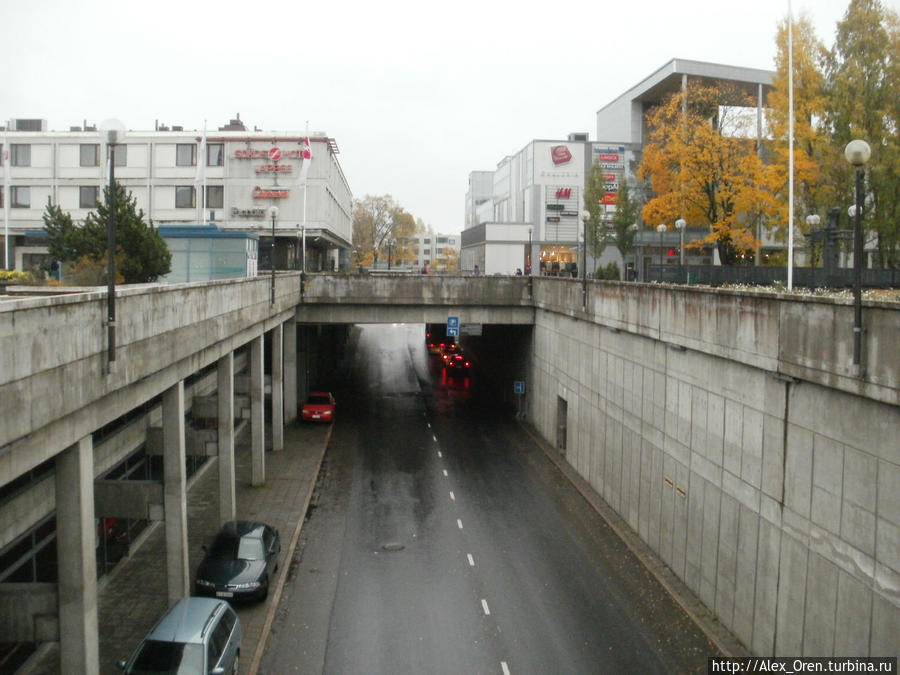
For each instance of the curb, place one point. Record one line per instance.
(282, 577)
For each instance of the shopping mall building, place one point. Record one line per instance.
(228, 178)
(526, 213)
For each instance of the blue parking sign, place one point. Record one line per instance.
(519, 387)
(452, 322)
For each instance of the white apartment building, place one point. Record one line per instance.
(437, 252)
(228, 177)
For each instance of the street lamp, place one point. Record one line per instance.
(857, 153)
(585, 217)
(528, 257)
(637, 255)
(114, 132)
(661, 228)
(680, 224)
(390, 250)
(273, 212)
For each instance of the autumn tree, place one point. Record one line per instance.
(626, 216)
(597, 235)
(378, 221)
(702, 163)
(141, 253)
(864, 102)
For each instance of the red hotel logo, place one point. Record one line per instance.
(560, 154)
(270, 193)
(563, 193)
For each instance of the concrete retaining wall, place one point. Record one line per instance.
(734, 440)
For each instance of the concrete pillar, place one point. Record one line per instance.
(277, 388)
(75, 543)
(290, 370)
(303, 362)
(174, 493)
(257, 414)
(225, 397)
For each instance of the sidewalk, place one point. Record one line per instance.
(133, 596)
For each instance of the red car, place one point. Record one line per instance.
(319, 407)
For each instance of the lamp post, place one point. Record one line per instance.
(680, 224)
(390, 250)
(637, 255)
(813, 220)
(585, 217)
(857, 153)
(528, 264)
(661, 228)
(114, 132)
(273, 212)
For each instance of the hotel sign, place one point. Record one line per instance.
(274, 192)
(268, 154)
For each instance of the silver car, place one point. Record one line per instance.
(197, 636)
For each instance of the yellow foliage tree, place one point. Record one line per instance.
(702, 162)
(813, 193)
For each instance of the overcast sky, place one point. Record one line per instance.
(416, 94)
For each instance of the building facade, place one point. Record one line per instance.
(533, 214)
(230, 178)
(532, 222)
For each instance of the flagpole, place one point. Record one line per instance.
(200, 178)
(790, 260)
(305, 184)
(6, 160)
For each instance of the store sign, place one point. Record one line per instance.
(247, 213)
(614, 167)
(552, 219)
(563, 193)
(265, 154)
(275, 192)
(274, 154)
(273, 168)
(608, 198)
(609, 176)
(555, 207)
(560, 154)
(569, 213)
(608, 157)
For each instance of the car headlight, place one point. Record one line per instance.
(247, 586)
(204, 582)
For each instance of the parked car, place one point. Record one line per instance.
(197, 635)
(240, 562)
(319, 407)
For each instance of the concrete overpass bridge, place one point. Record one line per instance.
(729, 430)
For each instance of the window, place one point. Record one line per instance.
(121, 153)
(90, 154)
(185, 154)
(88, 196)
(20, 197)
(184, 197)
(215, 154)
(215, 197)
(20, 154)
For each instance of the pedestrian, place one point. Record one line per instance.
(476, 272)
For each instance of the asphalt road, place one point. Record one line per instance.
(441, 540)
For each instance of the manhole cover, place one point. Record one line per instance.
(393, 546)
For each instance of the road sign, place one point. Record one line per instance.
(453, 322)
(452, 332)
(519, 387)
